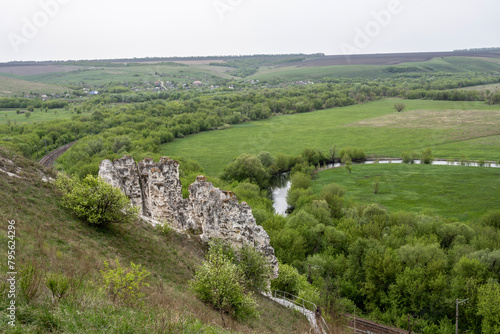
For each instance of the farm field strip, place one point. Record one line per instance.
(493, 88)
(367, 69)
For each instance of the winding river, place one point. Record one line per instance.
(282, 184)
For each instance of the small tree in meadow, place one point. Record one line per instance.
(346, 160)
(399, 107)
(376, 185)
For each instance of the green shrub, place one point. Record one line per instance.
(266, 159)
(247, 191)
(332, 194)
(255, 269)
(492, 218)
(300, 180)
(313, 157)
(399, 107)
(354, 153)
(409, 157)
(164, 229)
(287, 280)
(283, 162)
(124, 283)
(94, 200)
(297, 197)
(376, 185)
(221, 246)
(218, 282)
(122, 142)
(29, 282)
(489, 307)
(247, 167)
(427, 157)
(58, 284)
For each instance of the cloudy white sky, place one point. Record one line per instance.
(92, 29)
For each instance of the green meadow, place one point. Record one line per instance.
(451, 129)
(9, 115)
(133, 73)
(455, 192)
(17, 85)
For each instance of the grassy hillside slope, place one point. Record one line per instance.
(146, 72)
(16, 86)
(446, 64)
(52, 241)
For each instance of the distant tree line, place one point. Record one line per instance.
(20, 102)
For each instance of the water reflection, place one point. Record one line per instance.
(280, 184)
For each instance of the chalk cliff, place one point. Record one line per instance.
(211, 212)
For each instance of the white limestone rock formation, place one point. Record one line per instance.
(211, 212)
(123, 174)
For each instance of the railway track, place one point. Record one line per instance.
(363, 326)
(48, 160)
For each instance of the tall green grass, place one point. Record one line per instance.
(455, 192)
(342, 127)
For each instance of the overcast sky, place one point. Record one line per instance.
(92, 29)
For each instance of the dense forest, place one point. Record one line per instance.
(390, 266)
